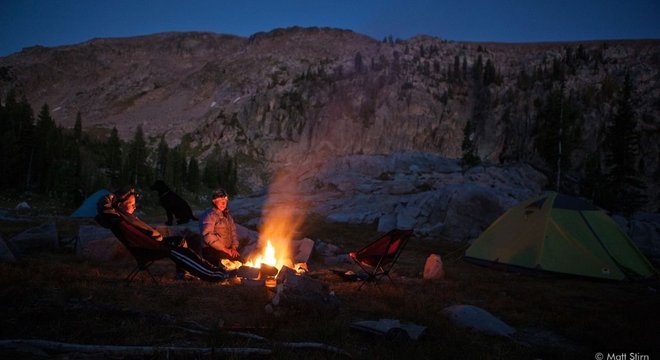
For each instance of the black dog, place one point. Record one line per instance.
(173, 204)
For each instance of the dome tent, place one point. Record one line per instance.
(88, 208)
(563, 234)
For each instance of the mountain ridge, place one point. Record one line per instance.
(297, 95)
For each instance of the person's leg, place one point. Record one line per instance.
(176, 242)
(188, 260)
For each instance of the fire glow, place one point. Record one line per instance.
(268, 258)
(283, 215)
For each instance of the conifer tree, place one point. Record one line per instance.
(113, 157)
(77, 129)
(194, 179)
(42, 154)
(470, 157)
(622, 143)
(162, 160)
(136, 160)
(211, 175)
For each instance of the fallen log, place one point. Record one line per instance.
(289, 345)
(38, 346)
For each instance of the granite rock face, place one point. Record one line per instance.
(404, 190)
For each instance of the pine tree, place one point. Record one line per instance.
(77, 129)
(477, 70)
(211, 176)
(24, 131)
(558, 132)
(162, 161)
(8, 141)
(622, 143)
(136, 160)
(73, 148)
(194, 180)
(358, 62)
(42, 154)
(490, 73)
(113, 158)
(470, 157)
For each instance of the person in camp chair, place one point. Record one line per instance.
(113, 209)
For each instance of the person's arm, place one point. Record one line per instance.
(234, 235)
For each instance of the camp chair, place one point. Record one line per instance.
(143, 248)
(146, 251)
(378, 258)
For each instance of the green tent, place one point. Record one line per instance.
(563, 234)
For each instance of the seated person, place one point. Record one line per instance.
(219, 238)
(116, 209)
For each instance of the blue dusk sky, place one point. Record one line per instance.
(25, 23)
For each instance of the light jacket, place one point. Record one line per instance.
(218, 229)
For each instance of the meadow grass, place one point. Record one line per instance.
(62, 297)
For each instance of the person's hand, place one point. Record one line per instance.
(233, 253)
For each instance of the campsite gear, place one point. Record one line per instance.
(144, 249)
(378, 258)
(563, 234)
(88, 208)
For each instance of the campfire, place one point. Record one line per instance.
(267, 257)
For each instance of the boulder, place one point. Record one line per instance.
(246, 236)
(302, 250)
(471, 208)
(387, 222)
(41, 238)
(477, 319)
(98, 243)
(433, 268)
(6, 255)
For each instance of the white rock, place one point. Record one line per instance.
(477, 319)
(22, 206)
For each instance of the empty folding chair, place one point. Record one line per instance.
(378, 258)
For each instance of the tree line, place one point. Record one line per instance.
(612, 176)
(39, 156)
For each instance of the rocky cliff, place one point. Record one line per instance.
(299, 96)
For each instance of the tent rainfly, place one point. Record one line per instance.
(88, 208)
(563, 234)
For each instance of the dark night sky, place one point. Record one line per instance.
(25, 23)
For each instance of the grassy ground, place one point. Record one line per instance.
(64, 298)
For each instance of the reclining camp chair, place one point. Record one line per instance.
(378, 258)
(144, 249)
(147, 250)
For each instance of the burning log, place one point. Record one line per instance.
(267, 270)
(247, 272)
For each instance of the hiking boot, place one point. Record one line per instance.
(185, 276)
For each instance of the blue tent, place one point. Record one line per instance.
(88, 207)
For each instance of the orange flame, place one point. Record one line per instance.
(268, 258)
(283, 215)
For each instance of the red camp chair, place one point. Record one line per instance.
(378, 258)
(144, 249)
